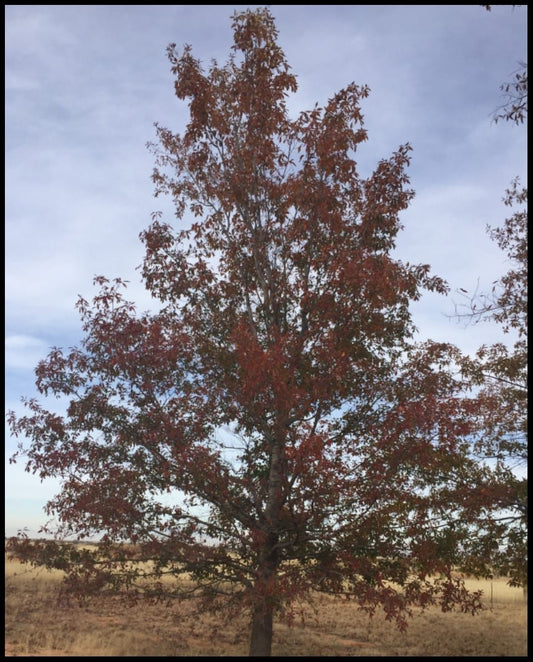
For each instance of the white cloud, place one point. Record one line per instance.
(23, 352)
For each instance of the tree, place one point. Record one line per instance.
(273, 430)
(515, 107)
(500, 374)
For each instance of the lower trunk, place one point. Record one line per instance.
(265, 588)
(264, 599)
(261, 639)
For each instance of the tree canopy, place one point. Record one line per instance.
(274, 429)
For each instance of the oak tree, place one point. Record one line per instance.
(272, 430)
(499, 372)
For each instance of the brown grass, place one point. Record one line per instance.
(37, 626)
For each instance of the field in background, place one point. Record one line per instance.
(35, 625)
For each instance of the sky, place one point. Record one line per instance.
(85, 84)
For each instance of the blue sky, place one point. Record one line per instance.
(84, 85)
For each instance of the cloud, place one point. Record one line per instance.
(24, 352)
(84, 84)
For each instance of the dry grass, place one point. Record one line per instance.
(37, 626)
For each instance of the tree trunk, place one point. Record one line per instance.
(261, 638)
(265, 589)
(264, 596)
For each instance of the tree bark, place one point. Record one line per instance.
(265, 589)
(261, 637)
(265, 596)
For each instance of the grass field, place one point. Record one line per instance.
(35, 625)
